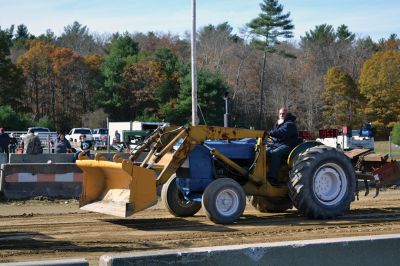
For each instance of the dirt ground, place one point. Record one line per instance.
(42, 229)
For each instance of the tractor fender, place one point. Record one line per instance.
(299, 149)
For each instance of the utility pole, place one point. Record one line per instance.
(108, 135)
(194, 70)
(226, 115)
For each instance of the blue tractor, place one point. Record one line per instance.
(216, 169)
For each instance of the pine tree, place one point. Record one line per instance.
(211, 88)
(270, 25)
(121, 51)
(11, 77)
(344, 35)
(323, 34)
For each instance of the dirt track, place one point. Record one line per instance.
(36, 230)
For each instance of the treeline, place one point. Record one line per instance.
(329, 79)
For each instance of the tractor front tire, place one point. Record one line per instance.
(322, 183)
(224, 201)
(175, 202)
(272, 205)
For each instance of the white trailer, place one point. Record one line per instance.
(346, 142)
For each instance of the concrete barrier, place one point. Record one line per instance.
(53, 157)
(41, 158)
(365, 250)
(66, 262)
(31, 175)
(20, 181)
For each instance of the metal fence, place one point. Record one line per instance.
(48, 139)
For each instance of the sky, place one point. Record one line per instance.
(374, 18)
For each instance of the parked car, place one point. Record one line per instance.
(74, 134)
(100, 136)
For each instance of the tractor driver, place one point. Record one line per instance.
(284, 138)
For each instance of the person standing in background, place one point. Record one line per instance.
(85, 147)
(32, 143)
(62, 145)
(13, 143)
(4, 142)
(117, 137)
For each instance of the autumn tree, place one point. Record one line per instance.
(323, 48)
(37, 68)
(142, 80)
(310, 105)
(151, 42)
(74, 93)
(59, 83)
(146, 75)
(76, 79)
(391, 43)
(342, 99)
(270, 26)
(380, 84)
(94, 63)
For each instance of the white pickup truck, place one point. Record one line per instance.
(100, 137)
(74, 134)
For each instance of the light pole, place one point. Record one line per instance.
(194, 70)
(226, 115)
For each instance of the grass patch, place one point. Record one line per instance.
(383, 147)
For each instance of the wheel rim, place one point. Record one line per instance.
(227, 202)
(180, 199)
(329, 184)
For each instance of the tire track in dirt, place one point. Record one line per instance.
(40, 236)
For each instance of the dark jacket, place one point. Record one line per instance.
(62, 146)
(285, 133)
(86, 145)
(4, 140)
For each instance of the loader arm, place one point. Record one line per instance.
(193, 136)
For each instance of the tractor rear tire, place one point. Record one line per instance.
(322, 183)
(272, 205)
(224, 201)
(175, 202)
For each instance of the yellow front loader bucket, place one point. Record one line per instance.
(116, 188)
